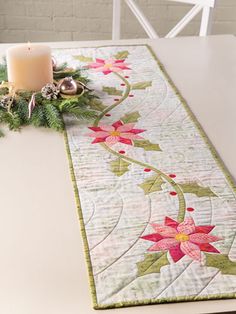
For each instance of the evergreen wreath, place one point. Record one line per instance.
(47, 107)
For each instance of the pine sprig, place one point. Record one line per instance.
(64, 71)
(46, 113)
(21, 107)
(72, 107)
(3, 72)
(12, 119)
(38, 118)
(53, 117)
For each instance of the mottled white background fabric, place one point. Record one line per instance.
(115, 210)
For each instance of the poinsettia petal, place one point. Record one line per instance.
(125, 127)
(100, 60)
(109, 61)
(94, 128)
(207, 247)
(98, 140)
(123, 66)
(204, 229)
(154, 237)
(163, 245)
(176, 253)
(111, 140)
(95, 65)
(131, 136)
(171, 222)
(202, 238)
(115, 69)
(187, 226)
(117, 124)
(137, 131)
(106, 72)
(125, 140)
(165, 231)
(108, 128)
(100, 134)
(120, 61)
(99, 69)
(191, 249)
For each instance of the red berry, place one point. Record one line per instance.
(122, 152)
(172, 175)
(122, 84)
(190, 209)
(147, 169)
(126, 76)
(131, 95)
(107, 114)
(173, 193)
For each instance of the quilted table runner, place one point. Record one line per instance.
(157, 207)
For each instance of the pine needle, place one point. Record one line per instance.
(53, 117)
(3, 72)
(38, 118)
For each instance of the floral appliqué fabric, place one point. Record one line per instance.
(158, 209)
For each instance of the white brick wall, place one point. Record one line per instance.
(57, 20)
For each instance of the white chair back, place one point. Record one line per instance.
(206, 6)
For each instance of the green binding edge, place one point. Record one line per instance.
(216, 157)
(82, 226)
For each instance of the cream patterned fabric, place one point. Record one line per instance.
(158, 210)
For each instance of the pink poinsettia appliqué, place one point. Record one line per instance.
(182, 239)
(109, 65)
(117, 132)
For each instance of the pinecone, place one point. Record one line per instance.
(5, 101)
(50, 91)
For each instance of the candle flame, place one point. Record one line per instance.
(29, 45)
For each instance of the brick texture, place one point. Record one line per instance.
(60, 20)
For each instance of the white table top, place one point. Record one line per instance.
(42, 264)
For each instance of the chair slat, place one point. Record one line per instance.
(205, 5)
(209, 3)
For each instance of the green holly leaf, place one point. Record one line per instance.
(83, 58)
(131, 117)
(152, 184)
(122, 54)
(152, 263)
(196, 189)
(97, 105)
(119, 166)
(112, 91)
(222, 262)
(146, 145)
(141, 85)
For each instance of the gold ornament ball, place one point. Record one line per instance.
(68, 86)
(80, 88)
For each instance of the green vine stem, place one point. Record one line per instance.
(176, 187)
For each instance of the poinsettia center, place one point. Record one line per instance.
(108, 65)
(181, 237)
(115, 133)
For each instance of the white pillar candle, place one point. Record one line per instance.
(29, 66)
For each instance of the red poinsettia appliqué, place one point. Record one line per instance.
(182, 239)
(109, 65)
(117, 132)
